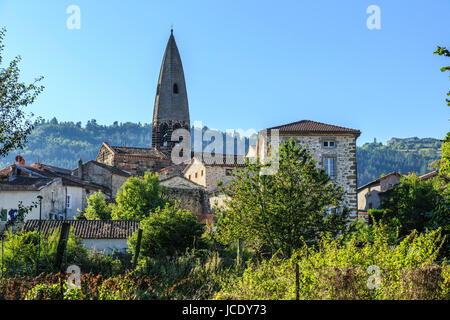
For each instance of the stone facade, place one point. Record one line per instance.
(317, 137)
(369, 194)
(194, 200)
(171, 110)
(208, 175)
(101, 174)
(134, 160)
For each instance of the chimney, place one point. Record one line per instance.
(20, 160)
(80, 168)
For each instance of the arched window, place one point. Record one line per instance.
(175, 88)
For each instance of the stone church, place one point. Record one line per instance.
(333, 147)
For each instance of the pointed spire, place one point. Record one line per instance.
(171, 102)
(171, 110)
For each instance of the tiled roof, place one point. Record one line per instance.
(308, 126)
(111, 169)
(137, 152)
(379, 179)
(88, 229)
(194, 184)
(172, 171)
(205, 218)
(225, 160)
(432, 174)
(33, 177)
(21, 183)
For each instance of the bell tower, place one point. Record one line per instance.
(171, 110)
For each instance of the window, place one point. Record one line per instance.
(189, 177)
(69, 201)
(329, 143)
(228, 172)
(196, 175)
(202, 173)
(329, 165)
(53, 195)
(175, 88)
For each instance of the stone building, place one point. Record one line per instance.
(209, 171)
(171, 110)
(62, 193)
(110, 177)
(369, 195)
(132, 159)
(333, 147)
(107, 236)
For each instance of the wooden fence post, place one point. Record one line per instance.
(297, 282)
(239, 253)
(64, 235)
(138, 248)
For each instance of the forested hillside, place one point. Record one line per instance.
(401, 155)
(63, 143)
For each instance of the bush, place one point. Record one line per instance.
(168, 231)
(97, 209)
(338, 269)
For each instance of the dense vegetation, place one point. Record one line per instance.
(401, 155)
(63, 143)
(182, 259)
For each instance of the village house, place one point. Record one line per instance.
(63, 192)
(97, 235)
(370, 193)
(209, 171)
(333, 147)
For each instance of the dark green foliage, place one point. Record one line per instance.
(97, 208)
(138, 197)
(15, 124)
(283, 210)
(401, 155)
(168, 231)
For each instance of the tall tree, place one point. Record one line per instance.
(139, 197)
(282, 210)
(445, 160)
(15, 124)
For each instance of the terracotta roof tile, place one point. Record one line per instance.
(88, 229)
(308, 126)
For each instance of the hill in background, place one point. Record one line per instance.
(63, 143)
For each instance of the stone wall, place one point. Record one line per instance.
(215, 174)
(194, 200)
(196, 167)
(344, 153)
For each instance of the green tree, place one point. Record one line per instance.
(97, 209)
(167, 232)
(15, 124)
(138, 197)
(443, 51)
(445, 160)
(412, 204)
(284, 209)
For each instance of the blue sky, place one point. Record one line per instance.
(248, 64)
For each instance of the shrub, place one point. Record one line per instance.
(168, 231)
(97, 209)
(337, 269)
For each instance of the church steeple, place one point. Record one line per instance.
(171, 109)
